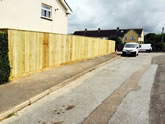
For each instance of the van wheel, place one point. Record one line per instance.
(134, 55)
(123, 54)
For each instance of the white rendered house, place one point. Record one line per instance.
(35, 15)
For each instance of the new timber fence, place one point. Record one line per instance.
(31, 52)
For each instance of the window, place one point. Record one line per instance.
(132, 38)
(46, 11)
(130, 46)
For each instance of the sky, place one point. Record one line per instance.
(110, 14)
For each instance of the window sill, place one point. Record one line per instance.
(47, 18)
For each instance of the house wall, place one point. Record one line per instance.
(141, 39)
(130, 34)
(26, 15)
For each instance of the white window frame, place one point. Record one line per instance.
(48, 10)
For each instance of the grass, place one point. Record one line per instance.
(10, 115)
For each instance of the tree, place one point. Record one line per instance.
(155, 40)
(119, 43)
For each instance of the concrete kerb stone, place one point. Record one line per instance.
(49, 91)
(14, 109)
(20, 106)
(39, 96)
(5, 114)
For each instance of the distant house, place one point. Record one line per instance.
(35, 15)
(126, 35)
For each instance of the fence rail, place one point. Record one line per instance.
(31, 52)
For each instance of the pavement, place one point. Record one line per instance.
(116, 93)
(20, 93)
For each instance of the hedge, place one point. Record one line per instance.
(4, 60)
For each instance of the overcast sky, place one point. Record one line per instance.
(110, 14)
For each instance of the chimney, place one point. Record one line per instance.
(99, 29)
(118, 28)
(85, 31)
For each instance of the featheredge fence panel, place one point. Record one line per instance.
(31, 52)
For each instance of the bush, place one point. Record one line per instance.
(4, 61)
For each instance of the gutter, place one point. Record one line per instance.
(66, 6)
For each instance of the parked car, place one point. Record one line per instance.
(145, 48)
(130, 49)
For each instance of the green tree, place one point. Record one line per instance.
(156, 41)
(119, 43)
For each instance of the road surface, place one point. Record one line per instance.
(119, 92)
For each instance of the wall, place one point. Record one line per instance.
(26, 15)
(131, 33)
(141, 39)
(30, 52)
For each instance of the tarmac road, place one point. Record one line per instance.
(157, 103)
(116, 93)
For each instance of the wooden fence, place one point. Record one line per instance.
(31, 52)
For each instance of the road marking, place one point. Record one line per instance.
(103, 113)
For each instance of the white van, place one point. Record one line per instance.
(130, 49)
(145, 48)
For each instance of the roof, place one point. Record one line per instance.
(107, 33)
(66, 6)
